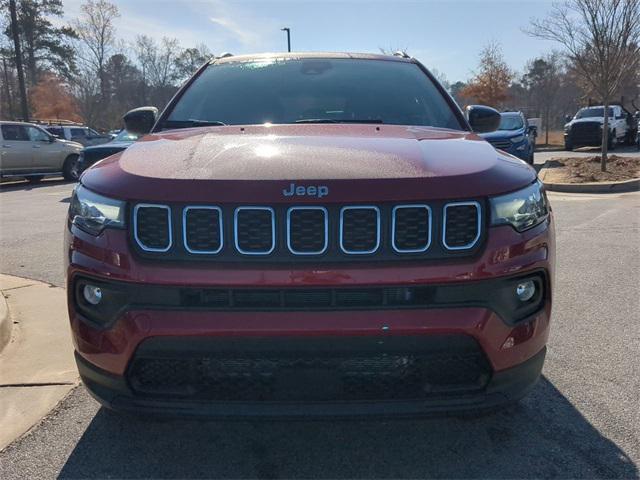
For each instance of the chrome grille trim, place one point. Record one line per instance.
(326, 230)
(185, 210)
(136, 209)
(273, 229)
(393, 228)
(360, 207)
(444, 225)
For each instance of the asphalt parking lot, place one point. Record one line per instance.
(581, 421)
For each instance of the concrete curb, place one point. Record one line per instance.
(5, 322)
(37, 368)
(632, 185)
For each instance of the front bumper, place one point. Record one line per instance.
(504, 388)
(514, 351)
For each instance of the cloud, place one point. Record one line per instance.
(246, 36)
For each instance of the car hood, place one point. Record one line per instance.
(109, 146)
(68, 143)
(588, 120)
(498, 134)
(356, 163)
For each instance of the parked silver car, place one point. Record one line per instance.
(78, 133)
(27, 150)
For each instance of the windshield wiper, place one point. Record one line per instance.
(192, 123)
(338, 120)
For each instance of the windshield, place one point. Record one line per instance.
(511, 122)
(313, 90)
(593, 112)
(125, 136)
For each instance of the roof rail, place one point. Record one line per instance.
(401, 53)
(54, 121)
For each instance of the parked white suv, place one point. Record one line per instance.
(585, 128)
(27, 150)
(77, 133)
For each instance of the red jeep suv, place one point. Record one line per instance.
(310, 234)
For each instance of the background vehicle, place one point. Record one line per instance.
(90, 155)
(80, 134)
(514, 136)
(29, 151)
(585, 128)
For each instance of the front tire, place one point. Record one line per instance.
(568, 145)
(70, 168)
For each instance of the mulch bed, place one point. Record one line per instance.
(587, 169)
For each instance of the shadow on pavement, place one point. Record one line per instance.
(544, 436)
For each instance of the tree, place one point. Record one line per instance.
(542, 81)
(97, 34)
(44, 46)
(18, 61)
(602, 39)
(490, 86)
(158, 63)
(51, 98)
(190, 59)
(456, 89)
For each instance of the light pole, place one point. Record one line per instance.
(288, 30)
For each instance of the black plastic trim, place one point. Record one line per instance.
(496, 295)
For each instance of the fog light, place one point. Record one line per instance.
(526, 290)
(92, 294)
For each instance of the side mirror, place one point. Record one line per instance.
(140, 120)
(637, 115)
(567, 118)
(482, 119)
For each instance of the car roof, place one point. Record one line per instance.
(313, 55)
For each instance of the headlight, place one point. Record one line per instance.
(517, 139)
(522, 209)
(93, 213)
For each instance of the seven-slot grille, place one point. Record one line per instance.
(347, 231)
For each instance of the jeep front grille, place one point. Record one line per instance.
(333, 233)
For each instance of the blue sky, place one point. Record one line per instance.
(445, 35)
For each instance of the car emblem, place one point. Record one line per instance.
(294, 190)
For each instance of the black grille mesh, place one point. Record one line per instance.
(501, 144)
(255, 230)
(153, 227)
(359, 229)
(202, 227)
(307, 230)
(312, 376)
(411, 228)
(461, 226)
